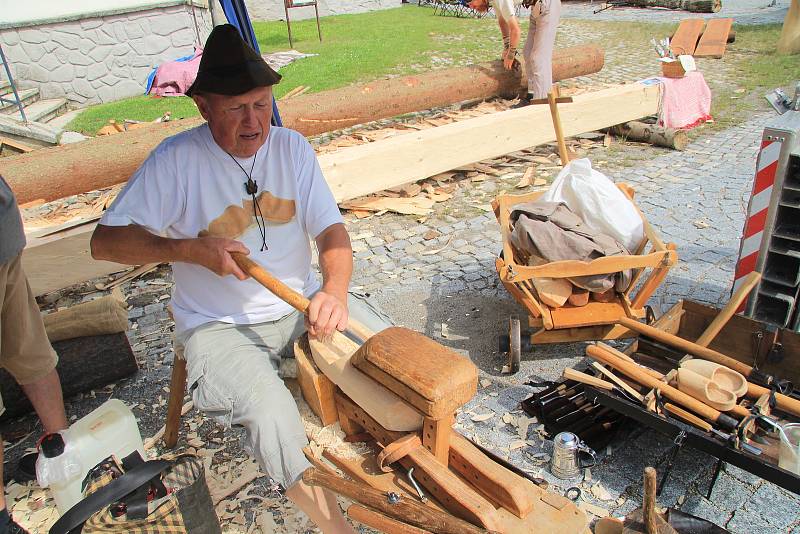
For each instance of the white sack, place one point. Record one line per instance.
(596, 200)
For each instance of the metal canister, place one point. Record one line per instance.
(570, 455)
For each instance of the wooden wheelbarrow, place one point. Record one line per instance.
(650, 264)
(403, 389)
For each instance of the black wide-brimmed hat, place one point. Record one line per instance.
(230, 66)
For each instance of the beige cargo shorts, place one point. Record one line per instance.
(25, 351)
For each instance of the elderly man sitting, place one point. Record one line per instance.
(237, 184)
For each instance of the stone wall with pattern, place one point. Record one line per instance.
(102, 58)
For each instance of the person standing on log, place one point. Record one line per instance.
(25, 351)
(238, 184)
(539, 45)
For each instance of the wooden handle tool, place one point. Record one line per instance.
(692, 419)
(754, 391)
(649, 502)
(635, 372)
(577, 376)
(289, 295)
(748, 283)
(404, 509)
(686, 346)
(689, 417)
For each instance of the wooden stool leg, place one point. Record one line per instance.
(288, 25)
(319, 31)
(177, 388)
(436, 437)
(562, 145)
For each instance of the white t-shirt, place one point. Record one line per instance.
(189, 185)
(506, 9)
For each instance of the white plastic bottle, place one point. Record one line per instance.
(110, 430)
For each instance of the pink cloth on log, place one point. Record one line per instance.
(685, 102)
(175, 77)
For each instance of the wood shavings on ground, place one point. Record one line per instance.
(482, 417)
(31, 506)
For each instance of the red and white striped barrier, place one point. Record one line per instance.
(766, 167)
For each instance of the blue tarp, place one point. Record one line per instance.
(236, 13)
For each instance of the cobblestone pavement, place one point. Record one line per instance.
(742, 11)
(438, 276)
(696, 199)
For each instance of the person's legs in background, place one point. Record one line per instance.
(539, 48)
(27, 355)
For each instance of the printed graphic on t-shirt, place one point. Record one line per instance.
(236, 219)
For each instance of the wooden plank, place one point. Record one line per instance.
(63, 259)
(317, 389)
(359, 170)
(714, 39)
(14, 144)
(594, 313)
(604, 265)
(586, 333)
(452, 492)
(685, 39)
(334, 359)
(364, 467)
(495, 481)
(432, 378)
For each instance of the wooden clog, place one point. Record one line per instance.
(724, 377)
(704, 390)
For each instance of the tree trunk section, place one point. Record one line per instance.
(695, 6)
(62, 171)
(84, 363)
(650, 133)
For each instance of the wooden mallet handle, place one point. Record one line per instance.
(748, 283)
(685, 345)
(289, 295)
(634, 371)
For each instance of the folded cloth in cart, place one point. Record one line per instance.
(550, 231)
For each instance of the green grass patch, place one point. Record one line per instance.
(140, 108)
(407, 40)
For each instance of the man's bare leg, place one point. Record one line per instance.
(48, 402)
(321, 506)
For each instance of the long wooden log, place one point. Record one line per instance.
(695, 6)
(686, 346)
(104, 161)
(651, 133)
(84, 363)
(406, 510)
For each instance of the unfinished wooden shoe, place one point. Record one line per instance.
(705, 390)
(724, 377)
